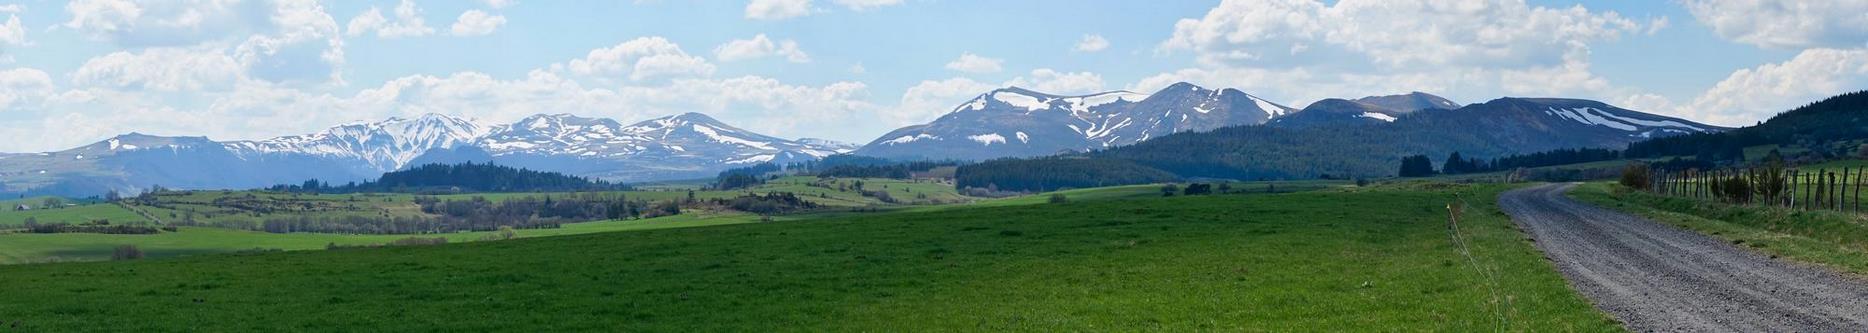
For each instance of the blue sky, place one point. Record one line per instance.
(76, 72)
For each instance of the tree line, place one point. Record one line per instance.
(464, 177)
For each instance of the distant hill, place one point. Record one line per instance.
(1410, 102)
(1829, 127)
(1342, 141)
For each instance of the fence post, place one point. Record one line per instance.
(1790, 187)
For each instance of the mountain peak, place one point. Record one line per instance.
(695, 117)
(1410, 102)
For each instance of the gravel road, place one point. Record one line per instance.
(1656, 277)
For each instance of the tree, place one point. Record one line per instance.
(50, 203)
(1058, 198)
(1416, 166)
(1198, 189)
(1636, 176)
(1169, 190)
(126, 252)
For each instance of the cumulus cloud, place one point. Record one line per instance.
(972, 63)
(1398, 33)
(161, 69)
(497, 4)
(642, 58)
(19, 85)
(1754, 94)
(777, 9)
(931, 98)
(1062, 83)
(408, 22)
(1786, 24)
(862, 5)
(1303, 50)
(1091, 43)
(759, 47)
(477, 23)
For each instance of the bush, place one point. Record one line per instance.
(1637, 176)
(1198, 189)
(504, 233)
(1169, 190)
(411, 241)
(1058, 198)
(126, 252)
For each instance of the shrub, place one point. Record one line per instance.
(1058, 198)
(126, 252)
(504, 233)
(1198, 189)
(1169, 190)
(1637, 176)
(412, 241)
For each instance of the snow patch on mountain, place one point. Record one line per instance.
(987, 139)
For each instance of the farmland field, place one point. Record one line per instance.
(1330, 260)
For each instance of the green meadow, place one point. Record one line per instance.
(1335, 259)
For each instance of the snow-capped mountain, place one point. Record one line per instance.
(1522, 125)
(385, 145)
(1410, 102)
(1336, 111)
(683, 146)
(1019, 122)
(689, 145)
(838, 146)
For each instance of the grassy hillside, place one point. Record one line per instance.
(1318, 261)
(72, 214)
(20, 248)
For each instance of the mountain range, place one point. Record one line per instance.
(1016, 122)
(690, 145)
(1007, 122)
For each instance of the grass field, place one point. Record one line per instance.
(72, 214)
(1834, 239)
(1334, 260)
(32, 248)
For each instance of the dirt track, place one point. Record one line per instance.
(1656, 277)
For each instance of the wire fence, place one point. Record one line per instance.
(1837, 189)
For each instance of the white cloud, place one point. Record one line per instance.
(929, 99)
(1051, 81)
(301, 45)
(777, 9)
(1297, 51)
(858, 69)
(643, 58)
(12, 8)
(22, 84)
(1754, 94)
(1396, 33)
(497, 4)
(862, 5)
(12, 33)
(477, 23)
(1655, 25)
(972, 63)
(102, 18)
(1786, 24)
(408, 22)
(759, 47)
(1091, 43)
(161, 69)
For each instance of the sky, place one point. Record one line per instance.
(73, 73)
